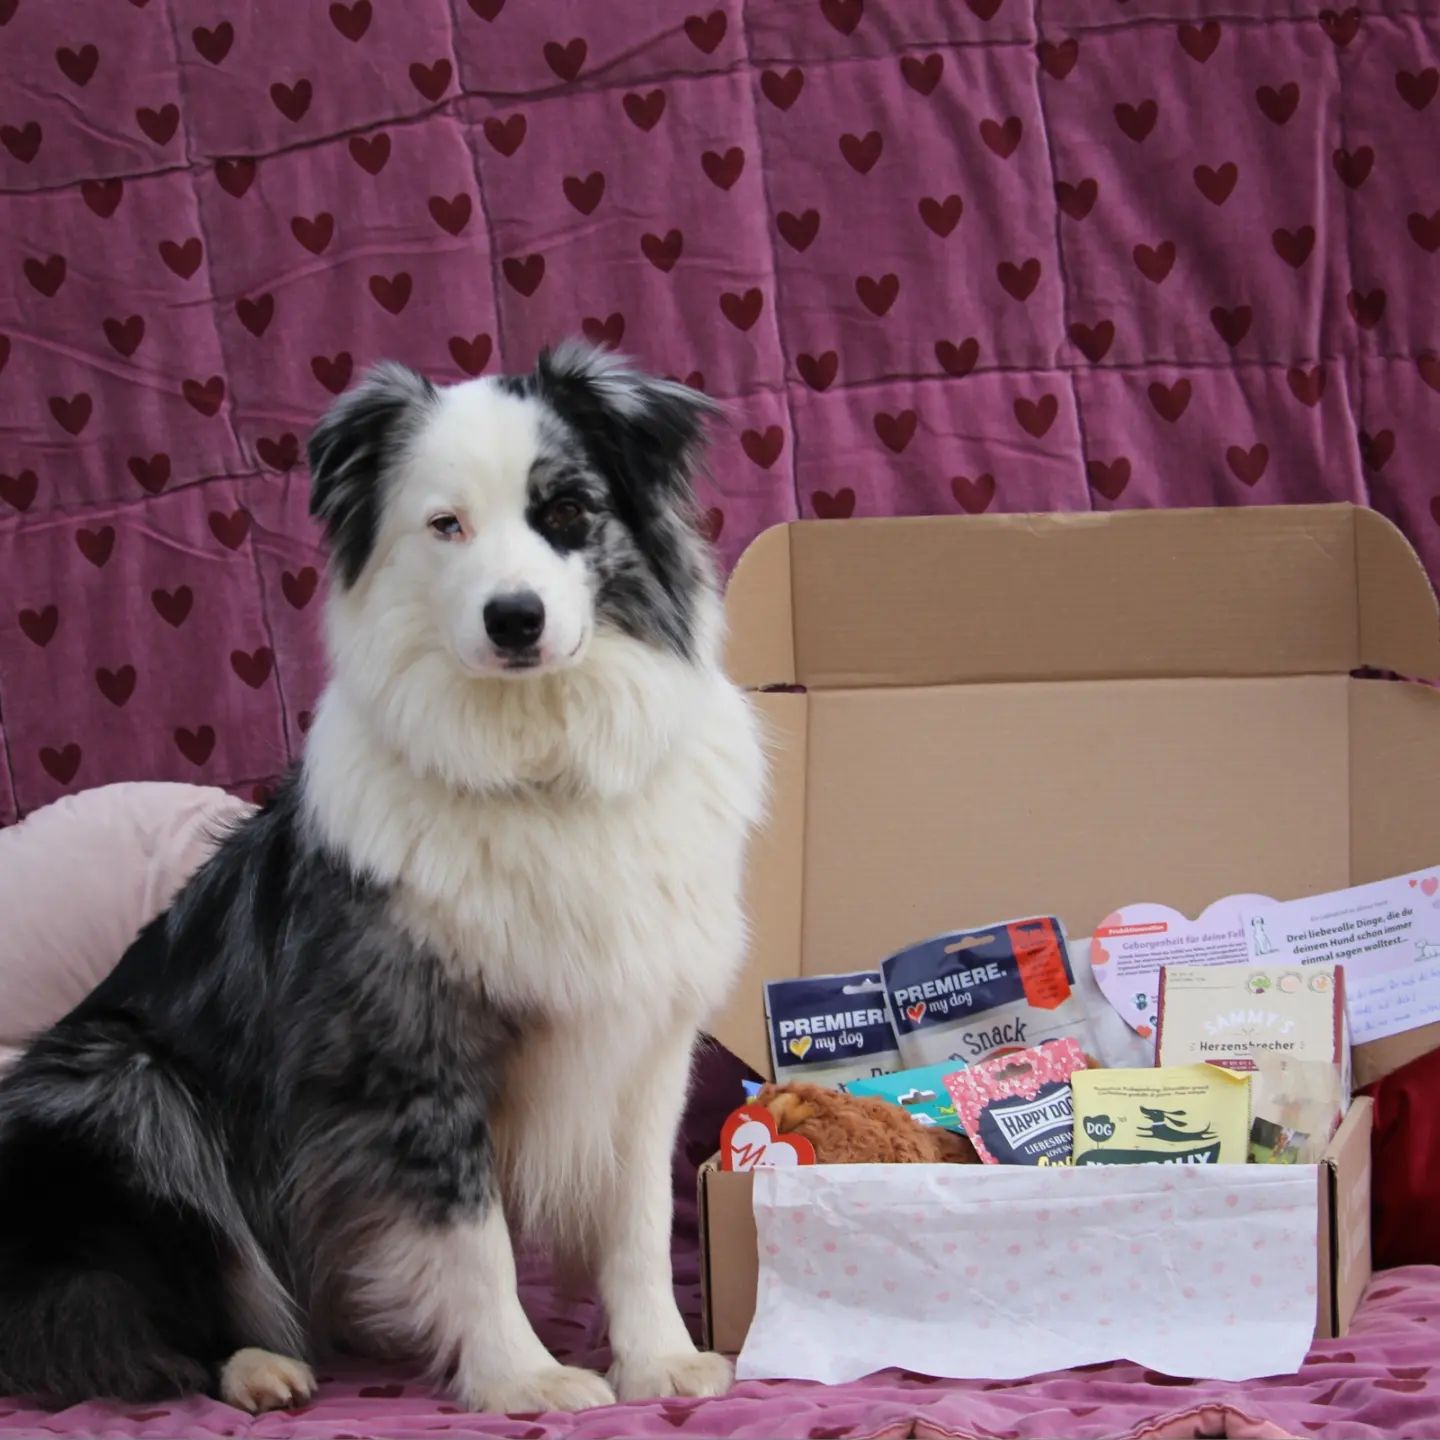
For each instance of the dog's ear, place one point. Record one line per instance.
(349, 451)
(645, 434)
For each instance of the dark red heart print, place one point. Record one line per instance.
(782, 87)
(471, 353)
(1108, 478)
(1278, 104)
(372, 152)
(878, 293)
(392, 292)
(1036, 415)
(72, 412)
(235, 176)
(151, 474)
(585, 194)
(1155, 262)
(102, 197)
(433, 80)
(255, 314)
(525, 272)
(292, 101)
(723, 168)
(195, 745)
(818, 371)
(706, 32)
(663, 251)
(862, 152)
(253, 666)
(204, 396)
(1078, 199)
(568, 59)
(160, 124)
(333, 371)
(183, 256)
(896, 431)
(1170, 401)
(62, 764)
(125, 335)
(1019, 281)
(839, 506)
(78, 66)
(958, 360)
(844, 15)
(230, 529)
(1137, 121)
(763, 447)
(299, 587)
(39, 626)
(352, 21)
(973, 495)
(214, 44)
(645, 109)
(1057, 58)
(173, 606)
(452, 215)
(742, 310)
(1002, 137)
(922, 72)
(1248, 464)
(118, 685)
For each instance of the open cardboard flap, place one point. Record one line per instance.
(1004, 715)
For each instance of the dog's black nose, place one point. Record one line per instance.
(514, 622)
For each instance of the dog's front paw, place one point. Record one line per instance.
(651, 1377)
(555, 1388)
(257, 1380)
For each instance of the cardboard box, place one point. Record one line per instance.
(1054, 714)
(730, 1264)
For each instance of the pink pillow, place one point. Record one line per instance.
(80, 879)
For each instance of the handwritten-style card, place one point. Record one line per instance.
(1386, 935)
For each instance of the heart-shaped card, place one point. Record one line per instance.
(749, 1141)
(1131, 944)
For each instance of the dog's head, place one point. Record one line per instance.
(503, 524)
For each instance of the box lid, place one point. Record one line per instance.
(1285, 590)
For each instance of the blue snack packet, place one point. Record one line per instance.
(971, 994)
(828, 1029)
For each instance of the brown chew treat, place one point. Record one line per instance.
(857, 1130)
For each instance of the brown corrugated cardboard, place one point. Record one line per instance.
(1003, 715)
(1007, 715)
(731, 1264)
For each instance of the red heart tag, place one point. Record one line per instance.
(916, 1012)
(749, 1141)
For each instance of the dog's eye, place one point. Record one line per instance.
(563, 517)
(447, 527)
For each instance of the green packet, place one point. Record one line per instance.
(920, 1092)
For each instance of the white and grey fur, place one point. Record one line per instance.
(447, 984)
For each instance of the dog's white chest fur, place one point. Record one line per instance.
(563, 903)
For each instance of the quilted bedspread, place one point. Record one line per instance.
(937, 256)
(1380, 1381)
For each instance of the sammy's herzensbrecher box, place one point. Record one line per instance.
(1009, 715)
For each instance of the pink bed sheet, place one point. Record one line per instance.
(1381, 1380)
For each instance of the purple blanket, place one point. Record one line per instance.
(939, 256)
(1382, 1380)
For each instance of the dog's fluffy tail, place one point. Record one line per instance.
(76, 1336)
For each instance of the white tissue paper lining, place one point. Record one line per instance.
(1000, 1272)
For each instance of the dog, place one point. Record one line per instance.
(445, 986)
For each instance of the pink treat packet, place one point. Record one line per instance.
(1017, 1108)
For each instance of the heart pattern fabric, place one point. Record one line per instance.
(990, 257)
